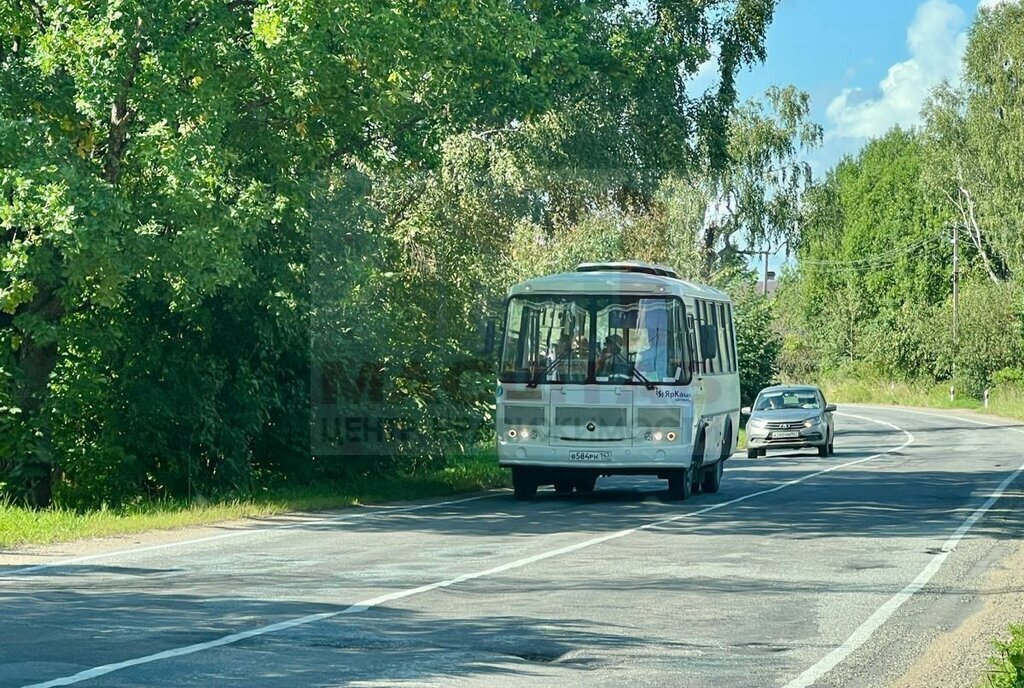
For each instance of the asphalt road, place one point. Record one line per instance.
(802, 571)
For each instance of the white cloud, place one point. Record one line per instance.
(936, 41)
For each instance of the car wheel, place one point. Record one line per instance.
(832, 447)
(524, 484)
(713, 478)
(753, 453)
(762, 452)
(823, 450)
(679, 485)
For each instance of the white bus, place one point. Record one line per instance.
(617, 369)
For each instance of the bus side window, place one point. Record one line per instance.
(707, 364)
(732, 338)
(717, 331)
(702, 364)
(691, 341)
(725, 359)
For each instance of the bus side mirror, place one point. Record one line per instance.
(489, 328)
(708, 342)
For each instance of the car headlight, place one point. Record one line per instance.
(758, 423)
(811, 422)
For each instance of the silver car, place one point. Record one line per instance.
(790, 417)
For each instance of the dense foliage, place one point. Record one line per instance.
(872, 293)
(213, 213)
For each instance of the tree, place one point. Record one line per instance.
(758, 193)
(972, 130)
(181, 185)
(873, 244)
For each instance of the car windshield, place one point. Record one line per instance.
(787, 399)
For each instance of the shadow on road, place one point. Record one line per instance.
(52, 635)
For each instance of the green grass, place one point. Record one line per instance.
(1004, 400)
(1008, 663)
(21, 526)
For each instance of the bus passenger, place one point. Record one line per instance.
(610, 354)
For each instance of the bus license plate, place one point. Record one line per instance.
(785, 434)
(590, 456)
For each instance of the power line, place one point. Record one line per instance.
(873, 259)
(878, 264)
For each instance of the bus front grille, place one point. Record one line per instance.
(581, 416)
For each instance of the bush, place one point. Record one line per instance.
(757, 343)
(1008, 662)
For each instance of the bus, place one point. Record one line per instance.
(618, 368)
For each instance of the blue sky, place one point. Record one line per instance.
(867, 64)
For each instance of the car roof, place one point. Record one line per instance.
(790, 388)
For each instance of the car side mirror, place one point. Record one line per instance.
(745, 410)
(829, 408)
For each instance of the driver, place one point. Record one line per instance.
(607, 359)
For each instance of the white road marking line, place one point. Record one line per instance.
(864, 632)
(365, 605)
(338, 518)
(946, 416)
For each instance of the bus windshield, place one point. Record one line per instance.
(596, 340)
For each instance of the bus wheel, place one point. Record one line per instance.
(524, 484)
(585, 483)
(696, 462)
(712, 478)
(563, 487)
(679, 485)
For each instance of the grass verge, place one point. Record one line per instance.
(22, 526)
(1004, 400)
(1008, 663)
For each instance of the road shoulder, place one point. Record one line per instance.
(958, 658)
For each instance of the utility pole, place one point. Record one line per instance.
(764, 285)
(765, 253)
(956, 290)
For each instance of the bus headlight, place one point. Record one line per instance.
(660, 436)
(524, 434)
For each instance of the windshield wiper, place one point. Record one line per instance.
(635, 372)
(544, 373)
